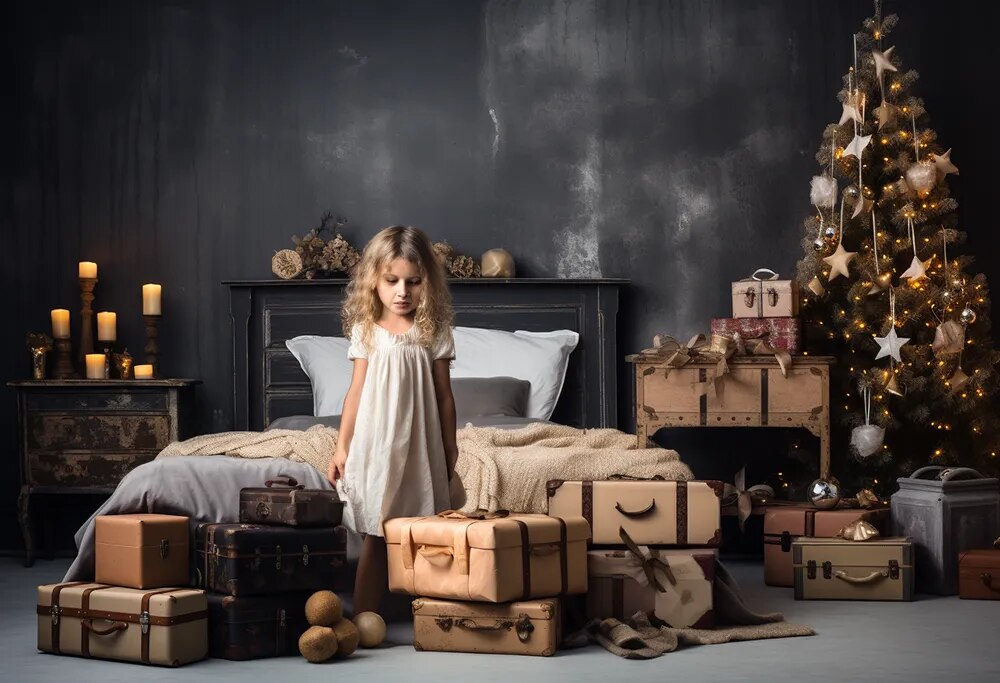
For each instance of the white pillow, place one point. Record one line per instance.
(540, 358)
(325, 361)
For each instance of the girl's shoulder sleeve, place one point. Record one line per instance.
(356, 349)
(444, 345)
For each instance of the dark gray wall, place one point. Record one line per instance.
(669, 142)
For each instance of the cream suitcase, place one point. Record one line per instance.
(531, 627)
(166, 626)
(653, 512)
(837, 569)
(489, 560)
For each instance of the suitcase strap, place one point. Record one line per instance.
(54, 611)
(527, 549)
(522, 625)
(85, 623)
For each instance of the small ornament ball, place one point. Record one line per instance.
(921, 177)
(829, 232)
(819, 244)
(851, 191)
(824, 494)
(371, 628)
(968, 316)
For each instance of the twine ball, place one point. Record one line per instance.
(371, 628)
(324, 608)
(347, 637)
(318, 644)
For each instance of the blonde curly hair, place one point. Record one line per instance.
(362, 308)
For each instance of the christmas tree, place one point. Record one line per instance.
(885, 289)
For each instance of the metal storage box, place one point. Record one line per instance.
(945, 512)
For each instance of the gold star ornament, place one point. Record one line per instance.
(885, 113)
(944, 165)
(917, 269)
(838, 262)
(883, 62)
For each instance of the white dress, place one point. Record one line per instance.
(396, 462)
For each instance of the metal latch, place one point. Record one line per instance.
(305, 556)
(280, 640)
(811, 569)
(144, 622)
(277, 557)
(828, 570)
(263, 510)
(54, 611)
(164, 548)
(786, 542)
(893, 569)
(772, 297)
(750, 297)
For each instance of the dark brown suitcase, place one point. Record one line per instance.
(979, 574)
(286, 502)
(253, 559)
(255, 626)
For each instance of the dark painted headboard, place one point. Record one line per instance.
(268, 382)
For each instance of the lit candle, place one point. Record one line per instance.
(107, 326)
(95, 366)
(60, 323)
(143, 371)
(151, 299)
(88, 270)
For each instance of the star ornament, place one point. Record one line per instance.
(890, 344)
(883, 62)
(850, 113)
(885, 113)
(857, 146)
(943, 164)
(917, 269)
(838, 262)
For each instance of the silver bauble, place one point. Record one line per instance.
(968, 316)
(829, 232)
(851, 191)
(819, 244)
(922, 176)
(824, 494)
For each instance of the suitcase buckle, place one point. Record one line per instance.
(164, 548)
(828, 570)
(893, 569)
(263, 510)
(772, 297)
(750, 297)
(811, 569)
(277, 557)
(524, 627)
(444, 623)
(144, 622)
(786, 542)
(54, 611)
(305, 556)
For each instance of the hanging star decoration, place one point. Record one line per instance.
(850, 113)
(857, 146)
(862, 205)
(892, 386)
(883, 62)
(917, 269)
(838, 262)
(885, 113)
(958, 380)
(944, 165)
(890, 344)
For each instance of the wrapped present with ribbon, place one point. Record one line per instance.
(761, 336)
(674, 586)
(765, 295)
(745, 499)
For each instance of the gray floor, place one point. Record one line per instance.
(920, 641)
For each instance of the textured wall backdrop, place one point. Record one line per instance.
(667, 142)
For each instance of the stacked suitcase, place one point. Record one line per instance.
(259, 573)
(658, 543)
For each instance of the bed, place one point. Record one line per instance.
(269, 384)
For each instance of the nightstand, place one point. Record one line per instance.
(83, 436)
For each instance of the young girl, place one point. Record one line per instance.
(396, 451)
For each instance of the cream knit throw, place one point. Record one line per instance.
(498, 468)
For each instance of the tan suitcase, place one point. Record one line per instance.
(142, 550)
(785, 523)
(530, 627)
(835, 569)
(619, 587)
(167, 626)
(979, 574)
(490, 560)
(657, 513)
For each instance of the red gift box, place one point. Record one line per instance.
(778, 333)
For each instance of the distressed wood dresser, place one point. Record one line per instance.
(83, 436)
(752, 394)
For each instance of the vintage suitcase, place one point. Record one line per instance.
(517, 557)
(836, 569)
(619, 585)
(255, 626)
(945, 512)
(165, 626)
(785, 523)
(763, 295)
(529, 627)
(657, 513)
(253, 559)
(288, 503)
(141, 550)
(778, 333)
(979, 574)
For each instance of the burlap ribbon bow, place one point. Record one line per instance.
(645, 563)
(745, 498)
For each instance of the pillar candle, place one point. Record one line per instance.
(60, 323)
(107, 326)
(151, 299)
(95, 366)
(143, 371)
(88, 269)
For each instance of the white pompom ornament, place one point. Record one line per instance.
(866, 440)
(823, 191)
(921, 177)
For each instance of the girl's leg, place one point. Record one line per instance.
(373, 575)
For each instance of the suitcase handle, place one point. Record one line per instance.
(116, 626)
(629, 477)
(290, 482)
(523, 626)
(987, 579)
(874, 576)
(636, 513)
(946, 474)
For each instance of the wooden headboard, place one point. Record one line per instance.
(268, 382)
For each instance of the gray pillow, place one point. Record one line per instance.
(490, 396)
(304, 422)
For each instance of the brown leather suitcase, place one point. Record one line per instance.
(785, 523)
(836, 569)
(530, 627)
(165, 626)
(979, 574)
(286, 502)
(653, 512)
(255, 626)
(490, 560)
(141, 550)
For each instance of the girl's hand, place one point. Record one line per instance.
(335, 471)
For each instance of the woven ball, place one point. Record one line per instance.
(497, 263)
(347, 637)
(324, 608)
(371, 628)
(318, 644)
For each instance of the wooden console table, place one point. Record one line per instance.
(752, 394)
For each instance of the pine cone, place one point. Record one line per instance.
(463, 266)
(340, 255)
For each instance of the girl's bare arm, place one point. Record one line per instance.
(446, 409)
(348, 418)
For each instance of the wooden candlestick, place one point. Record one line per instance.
(151, 348)
(87, 317)
(64, 359)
